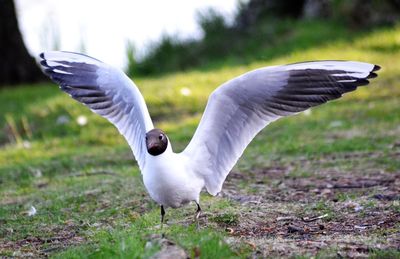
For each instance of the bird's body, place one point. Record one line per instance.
(170, 180)
(236, 111)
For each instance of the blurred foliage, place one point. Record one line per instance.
(130, 55)
(258, 27)
(364, 13)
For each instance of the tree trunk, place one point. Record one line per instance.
(16, 65)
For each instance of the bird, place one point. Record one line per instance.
(235, 112)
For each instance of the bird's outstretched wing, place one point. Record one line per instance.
(241, 107)
(106, 90)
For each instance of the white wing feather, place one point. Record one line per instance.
(240, 108)
(106, 90)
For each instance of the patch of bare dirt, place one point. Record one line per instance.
(35, 247)
(351, 212)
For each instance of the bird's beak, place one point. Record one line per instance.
(153, 147)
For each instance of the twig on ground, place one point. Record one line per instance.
(287, 218)
(307, 219)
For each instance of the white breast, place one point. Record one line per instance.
(169, 181)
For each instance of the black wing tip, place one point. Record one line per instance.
(372, 75)
(362, 82)
(376, 68)
(43, 62)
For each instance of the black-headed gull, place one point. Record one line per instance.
(236, 111)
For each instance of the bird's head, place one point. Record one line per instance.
(156, 142)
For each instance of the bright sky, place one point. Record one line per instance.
(102, 28)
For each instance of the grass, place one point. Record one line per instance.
(88, 191)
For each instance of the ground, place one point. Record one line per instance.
(352, 212)
(324, 183)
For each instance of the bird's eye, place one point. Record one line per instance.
(160, 137)
(147, 138)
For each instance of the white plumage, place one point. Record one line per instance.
(236, 111)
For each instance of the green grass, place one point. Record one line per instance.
(88, 191)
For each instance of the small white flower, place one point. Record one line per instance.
(358, 208)
(26, 144)
(32, 211)
(81, 120)
(185, 91)
(307, 112)
(37, 173)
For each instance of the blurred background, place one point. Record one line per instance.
(103, 29)
(155, 37)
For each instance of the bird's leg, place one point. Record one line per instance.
(162, 215)
(198, 211)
